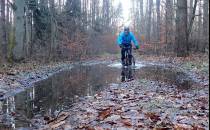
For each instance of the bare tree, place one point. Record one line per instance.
(191, 21)
(142, 18)
(206, 22)
(169, 21)
(18, 51)
(149, 19)
(158, 19)
(181, 28)
(3, 44)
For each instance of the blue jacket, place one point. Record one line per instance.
(126, 40)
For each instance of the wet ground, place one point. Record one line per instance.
(60, 91)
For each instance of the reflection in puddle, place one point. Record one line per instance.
(127, 74)
(60, 91)
(57, 93)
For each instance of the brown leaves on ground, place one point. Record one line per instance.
(86, 127)
(132, 106)
(58, 121)
(104, 113)
(186, 127)
(126, 122)
(162, 128)
(153, 116)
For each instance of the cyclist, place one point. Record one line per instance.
(124, 41)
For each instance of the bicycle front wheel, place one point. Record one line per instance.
(133, 61)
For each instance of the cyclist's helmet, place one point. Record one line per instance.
(126, 29)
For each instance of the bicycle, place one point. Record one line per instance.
(127, 52)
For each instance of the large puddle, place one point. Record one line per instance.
(60, 91)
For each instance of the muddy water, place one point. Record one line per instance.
(60, 91)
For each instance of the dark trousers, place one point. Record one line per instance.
(123, 56)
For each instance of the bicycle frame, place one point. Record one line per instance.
(127, 49)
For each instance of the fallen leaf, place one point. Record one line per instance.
(57, 125)
(140, 125)
(59, 120)
(104, 113)
(198, 128)
(162, 128)
(127, 122)
(86, 127)
(98, 128)
(111, 122)
(182, 127)
(153, 116)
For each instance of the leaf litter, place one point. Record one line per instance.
(134, 105)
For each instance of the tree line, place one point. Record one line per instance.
(51, 29)
(58, 29)
(183, 25)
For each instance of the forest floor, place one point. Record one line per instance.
(16, 77)
(142, 104)
(139, 104)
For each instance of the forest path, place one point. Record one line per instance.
(79, 83)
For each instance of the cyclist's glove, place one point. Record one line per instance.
(121, 46)
(137, 47)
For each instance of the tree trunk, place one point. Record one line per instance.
(142, 18)
(18, 51)
(149, 20)
(59, 6)
(190, 10)
(27, 32)
(191, 21)
(85, 13)
(3, 41)
(169, 21)
(206, 22)
(93, 13)
(192, 18)
(106, 15)
(7, 25)
(200, 33)
(158, 19)
(181, 29)
(52, 29)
